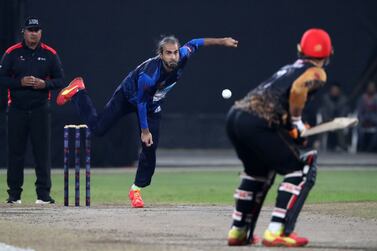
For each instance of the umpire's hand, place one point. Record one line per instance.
(27, 81)
(31, 81)
(39, 84)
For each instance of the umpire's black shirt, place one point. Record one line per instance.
(19, 61)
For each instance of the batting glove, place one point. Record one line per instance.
(297, 128)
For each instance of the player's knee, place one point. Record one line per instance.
(289, 188)
(250, 183)
(294, 178)
(310, 167)
(309, 158)
(295, 182)
(311, 177)
(149, 150)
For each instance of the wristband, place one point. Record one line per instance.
(299, 124)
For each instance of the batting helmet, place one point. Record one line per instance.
(315, 43)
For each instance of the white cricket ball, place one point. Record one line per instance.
(226, 93)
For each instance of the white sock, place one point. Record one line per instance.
(134, 187)
(275, 227)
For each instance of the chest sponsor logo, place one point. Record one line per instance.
(41, 59)
(160, 94)
(22, 58)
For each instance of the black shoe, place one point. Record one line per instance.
(44, 201)
(13, 200)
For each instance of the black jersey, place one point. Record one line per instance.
(20, 61)
(270, 100)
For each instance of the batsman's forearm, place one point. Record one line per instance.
(295, 111)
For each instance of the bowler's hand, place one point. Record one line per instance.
(146, 137)
(230, 42)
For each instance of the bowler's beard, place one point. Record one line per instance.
(171, 65)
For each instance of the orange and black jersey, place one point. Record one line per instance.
(285, 93)
(19, 61)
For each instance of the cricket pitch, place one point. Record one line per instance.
(342, 226)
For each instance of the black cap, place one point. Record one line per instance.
(32, 22)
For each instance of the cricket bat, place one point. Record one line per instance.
(335, 124)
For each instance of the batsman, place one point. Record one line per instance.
(264, 128)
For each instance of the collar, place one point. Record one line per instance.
(28, 48)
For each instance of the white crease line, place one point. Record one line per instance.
(5, 247)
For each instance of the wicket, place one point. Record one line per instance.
(77, 163)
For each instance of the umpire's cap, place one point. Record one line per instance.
(32, 22)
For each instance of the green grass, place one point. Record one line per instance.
(182, 186)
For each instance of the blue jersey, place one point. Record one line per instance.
(147, 85)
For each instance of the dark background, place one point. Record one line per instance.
(104, 40)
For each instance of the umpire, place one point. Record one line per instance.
(30, 70)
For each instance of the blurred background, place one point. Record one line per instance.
(104, 40)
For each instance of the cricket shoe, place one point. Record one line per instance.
(44, 201)
(279, 240)
(68, 92)
(13, 200)
(237, 236)
(136, 200)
